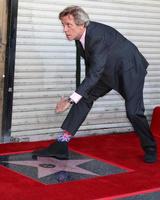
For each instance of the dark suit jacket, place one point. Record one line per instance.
(111, 58)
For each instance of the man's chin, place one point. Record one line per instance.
(70, 39)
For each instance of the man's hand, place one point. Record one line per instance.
(62, 105)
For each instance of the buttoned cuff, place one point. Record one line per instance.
(76, 97)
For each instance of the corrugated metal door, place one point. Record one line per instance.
(45, 64)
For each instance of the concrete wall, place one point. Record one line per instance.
(3, 40)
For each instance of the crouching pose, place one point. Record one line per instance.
(112, 62)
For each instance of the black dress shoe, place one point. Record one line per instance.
(150, 156)
(58, 150)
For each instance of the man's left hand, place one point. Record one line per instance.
(62, 105)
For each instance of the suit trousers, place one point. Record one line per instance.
(134, 110)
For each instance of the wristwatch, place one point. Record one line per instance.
(70, 101)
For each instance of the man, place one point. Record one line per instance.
(112, 62)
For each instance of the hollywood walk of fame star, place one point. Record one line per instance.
(48, 166)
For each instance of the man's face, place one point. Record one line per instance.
(72, 31)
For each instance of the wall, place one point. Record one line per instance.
(3, 40)
(45, 65)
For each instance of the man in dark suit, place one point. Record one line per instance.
(112, 62)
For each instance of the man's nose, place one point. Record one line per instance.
(65, 29)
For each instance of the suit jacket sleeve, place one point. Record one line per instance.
(96, 60)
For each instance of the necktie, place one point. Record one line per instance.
(78, 65)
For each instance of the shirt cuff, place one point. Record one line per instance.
(75, 97)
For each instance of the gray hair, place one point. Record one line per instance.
(80, 16)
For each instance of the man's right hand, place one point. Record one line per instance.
(62, 105)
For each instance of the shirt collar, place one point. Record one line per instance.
(82, 39)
